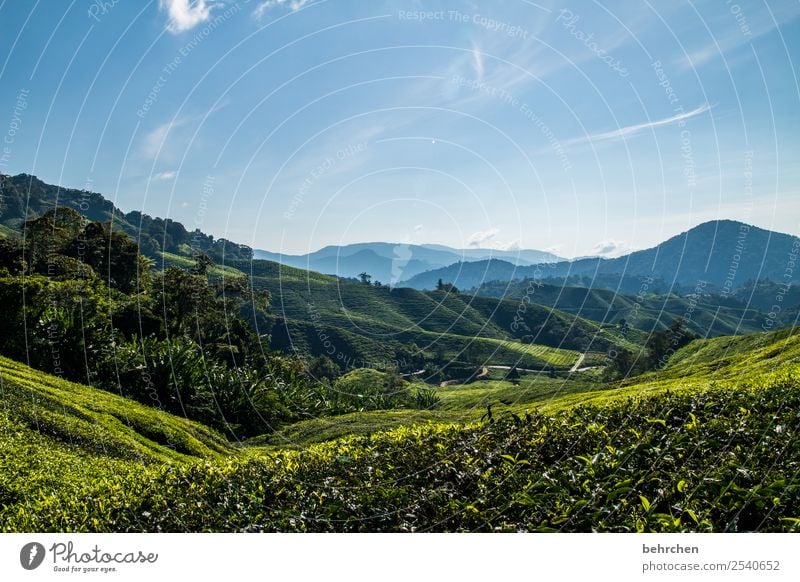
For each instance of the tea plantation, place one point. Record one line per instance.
(708, 444)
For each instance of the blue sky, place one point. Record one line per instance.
(292, 124)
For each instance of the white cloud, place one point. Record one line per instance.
(486, 239)
(633, 130)
(262, 9)
(477, 61)
(514, 245)
(482, 237)
(165, 142)
(610, 248)
(163, 176)
(155, 141)
(185, 14)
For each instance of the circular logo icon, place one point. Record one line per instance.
(31, 555)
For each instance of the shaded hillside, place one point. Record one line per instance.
(25, 197)
(368, 324)
(705, 314)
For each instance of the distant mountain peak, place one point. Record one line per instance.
(399, 261)
(717, 254)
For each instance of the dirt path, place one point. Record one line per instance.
(518, 369)
(483, 375)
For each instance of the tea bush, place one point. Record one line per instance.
(721, 457)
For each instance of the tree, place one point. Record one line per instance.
(395, 393)
(446, 287)
(623, 364)
(185, 299)
(322, 367)
(46, 236)
(201, 264)
(513, 374)
(409, 358)
(365, 278)
(113, 255)
(662, 344)
(11, 255)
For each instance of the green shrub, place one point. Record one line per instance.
(426, 398)
(720, 458)
(368, 389)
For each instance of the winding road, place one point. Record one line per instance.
(577, 364)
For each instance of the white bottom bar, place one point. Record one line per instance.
(371, 557)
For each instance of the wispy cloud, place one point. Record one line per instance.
(155, 141)
(293, 5)
(477, 60)
(515, 65)
(185, 14)
(164, 176)
(633, 130)
(492, 244)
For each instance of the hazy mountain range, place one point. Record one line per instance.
(719, 255)
(394, 262)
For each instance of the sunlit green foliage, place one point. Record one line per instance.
(367, 389)
(683, 454)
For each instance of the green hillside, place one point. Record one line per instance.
(730, 357)
(694, 367)
(368, 325)
(706, 316)
(25, 197)
(97, 422)
(683, 453)
(703, 441)
(218, 271)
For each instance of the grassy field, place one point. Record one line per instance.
(459, 404)
(727, 357)
(708, 444)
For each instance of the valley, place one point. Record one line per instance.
(295, 266)
(151, 386)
